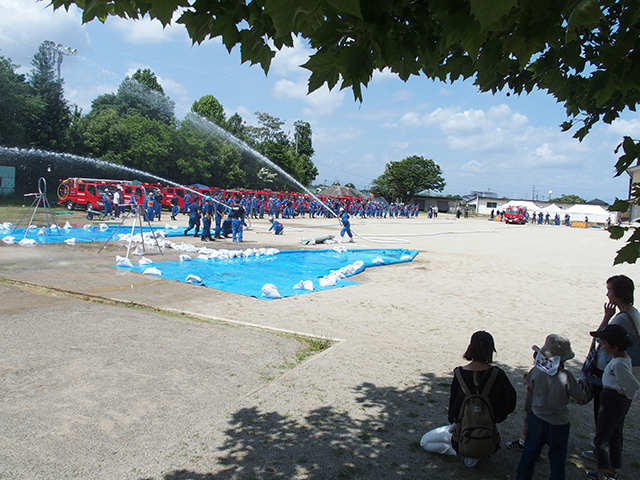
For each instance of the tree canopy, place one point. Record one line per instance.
(404, 179)
(567, 199)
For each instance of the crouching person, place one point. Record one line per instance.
(481, 396)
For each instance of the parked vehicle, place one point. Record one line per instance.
(88, 193)
(515, 215)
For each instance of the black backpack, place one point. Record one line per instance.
(476, 435)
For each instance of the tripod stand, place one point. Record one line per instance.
(41, 198)
(138, 216)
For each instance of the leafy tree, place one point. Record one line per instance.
(236, 127)
(404, 179)
(303, 136)
(136, 97)
(147, 78)
(211, 109)
(18, 106)
(49, 127)
(568, 199)
(582, 52)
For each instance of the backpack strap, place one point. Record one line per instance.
(487, 388)
(461, 381)
(490, 382)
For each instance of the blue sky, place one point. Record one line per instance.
(508, 145)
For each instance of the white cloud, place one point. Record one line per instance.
(402, 95)
(623, 127)
(337, 135)
(145, 30)
(25, 25)
(288, 60)
(399, 145)
(445, 91)
(384, 75)
(320, 102)
(473, 167)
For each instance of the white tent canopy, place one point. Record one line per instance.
(530, 206)
(595, 213)
(553, 209)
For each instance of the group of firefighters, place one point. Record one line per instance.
(208, 209)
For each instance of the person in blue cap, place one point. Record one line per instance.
(207, 213)
(276, 226)
(346, 225)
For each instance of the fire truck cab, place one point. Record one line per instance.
(85, 192)
(515, 215)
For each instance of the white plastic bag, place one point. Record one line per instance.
(438, 440)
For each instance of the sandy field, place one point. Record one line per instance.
(108, 374)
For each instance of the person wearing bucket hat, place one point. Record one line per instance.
(619, 386)
(549, 389)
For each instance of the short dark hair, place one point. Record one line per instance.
(481, 347)
(622, 287)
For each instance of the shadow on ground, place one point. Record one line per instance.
(382, 442)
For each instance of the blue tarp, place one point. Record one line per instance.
(247, 276)
(91, 233)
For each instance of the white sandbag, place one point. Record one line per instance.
(438, 440)
(377, 260)
(339, 249)
(7, 225)
(138, 251)
(152, 271)
(67, 225)
(327, 281)
(185, 258)
(33, 227)
(193, 279)
(27, 242)
(312, 241)
(270, 291)
(103, 227)
(42, 231)
(145, 261)
(87, 228)
(70, 241)
(123, 261)
(406, 257)
(9, 239)
(304, 285)
(203, 257)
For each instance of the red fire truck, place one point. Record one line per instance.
(515, 215)
(88, 192)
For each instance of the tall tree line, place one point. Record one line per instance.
(136, 127)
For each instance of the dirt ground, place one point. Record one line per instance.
(110, 374)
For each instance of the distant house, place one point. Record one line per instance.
(444, 203)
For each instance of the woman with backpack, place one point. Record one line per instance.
(481, 396)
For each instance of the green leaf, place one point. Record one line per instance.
(488, 12)
(284, 13)
(351, 7)
(616, 233)
(619, 206)
(628, 254)
(323, 69)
